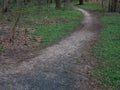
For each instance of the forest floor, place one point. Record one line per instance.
(38, 27)
(65, 65)
(107, 49)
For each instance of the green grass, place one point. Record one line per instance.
(95, 6)
(41, 18)
(92, 6)
(108, 50)
(1, 50)
(52, 32)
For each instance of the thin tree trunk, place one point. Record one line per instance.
(58, 4)
(80, 2)
(13, 30)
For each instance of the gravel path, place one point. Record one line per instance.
(58, 67)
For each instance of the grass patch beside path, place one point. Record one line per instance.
(94, 6)
(53, 32)
(108, 50)
(50, 24)
(91, 6)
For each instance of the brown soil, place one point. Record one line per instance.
(24, 42)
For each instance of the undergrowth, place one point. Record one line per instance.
(50, 24)
(107, 50)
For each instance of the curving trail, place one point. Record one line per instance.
(62, 66)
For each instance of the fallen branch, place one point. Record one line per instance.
(13, 30)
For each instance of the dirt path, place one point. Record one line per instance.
(63, 66)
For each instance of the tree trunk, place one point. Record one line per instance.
(5, 6)
(26, 2)
(58, 4)
(112, 5)
(80, 2)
